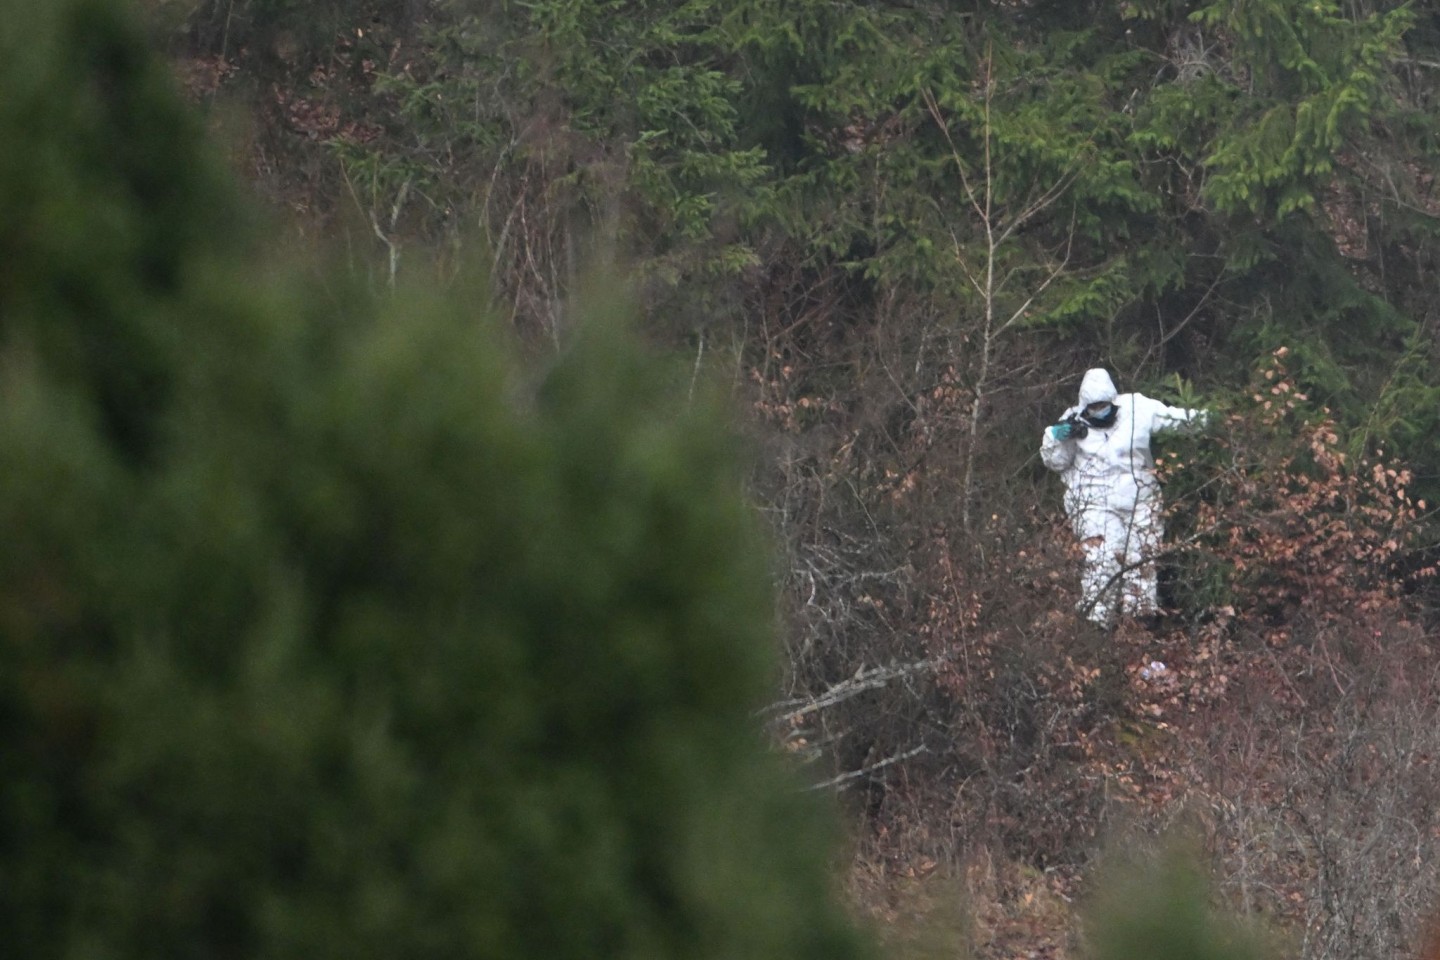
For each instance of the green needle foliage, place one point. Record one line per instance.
(1165, 185)
(320, 635)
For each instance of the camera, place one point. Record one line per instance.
(1080, 427)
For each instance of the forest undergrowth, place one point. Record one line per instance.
(1290, 732)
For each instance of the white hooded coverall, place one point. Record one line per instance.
(1112, 497)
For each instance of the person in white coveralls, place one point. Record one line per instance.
(1101, 449)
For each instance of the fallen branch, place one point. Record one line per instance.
(844, 779)
(872, 679)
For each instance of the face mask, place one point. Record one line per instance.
(1105, 418)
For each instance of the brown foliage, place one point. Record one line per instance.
(1301, 528)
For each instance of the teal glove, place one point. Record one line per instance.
(1069, 430)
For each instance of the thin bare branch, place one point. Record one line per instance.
(1021, 310)
(871, 679)
(845, 779)
(934, 109)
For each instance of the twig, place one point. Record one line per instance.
(863, 680)
(695, 374)
(394, 219)
(844, 779)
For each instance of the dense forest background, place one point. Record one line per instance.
(895, 234)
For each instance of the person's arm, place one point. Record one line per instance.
(1164, 417)
(1057, 452)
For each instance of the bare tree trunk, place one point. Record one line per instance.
(999, 231)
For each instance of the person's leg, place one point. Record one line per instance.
(1098, 580)
(1141, 544)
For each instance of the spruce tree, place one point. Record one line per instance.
(321, 633)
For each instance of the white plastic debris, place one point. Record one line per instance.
(1153, 670)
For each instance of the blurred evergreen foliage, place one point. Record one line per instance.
(321, 634)
(1159, 905)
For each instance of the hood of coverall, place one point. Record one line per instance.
(1097, 387)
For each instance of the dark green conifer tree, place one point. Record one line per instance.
(1158, 904)
(319, 635)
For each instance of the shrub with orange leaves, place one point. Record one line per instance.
(1281, 522)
